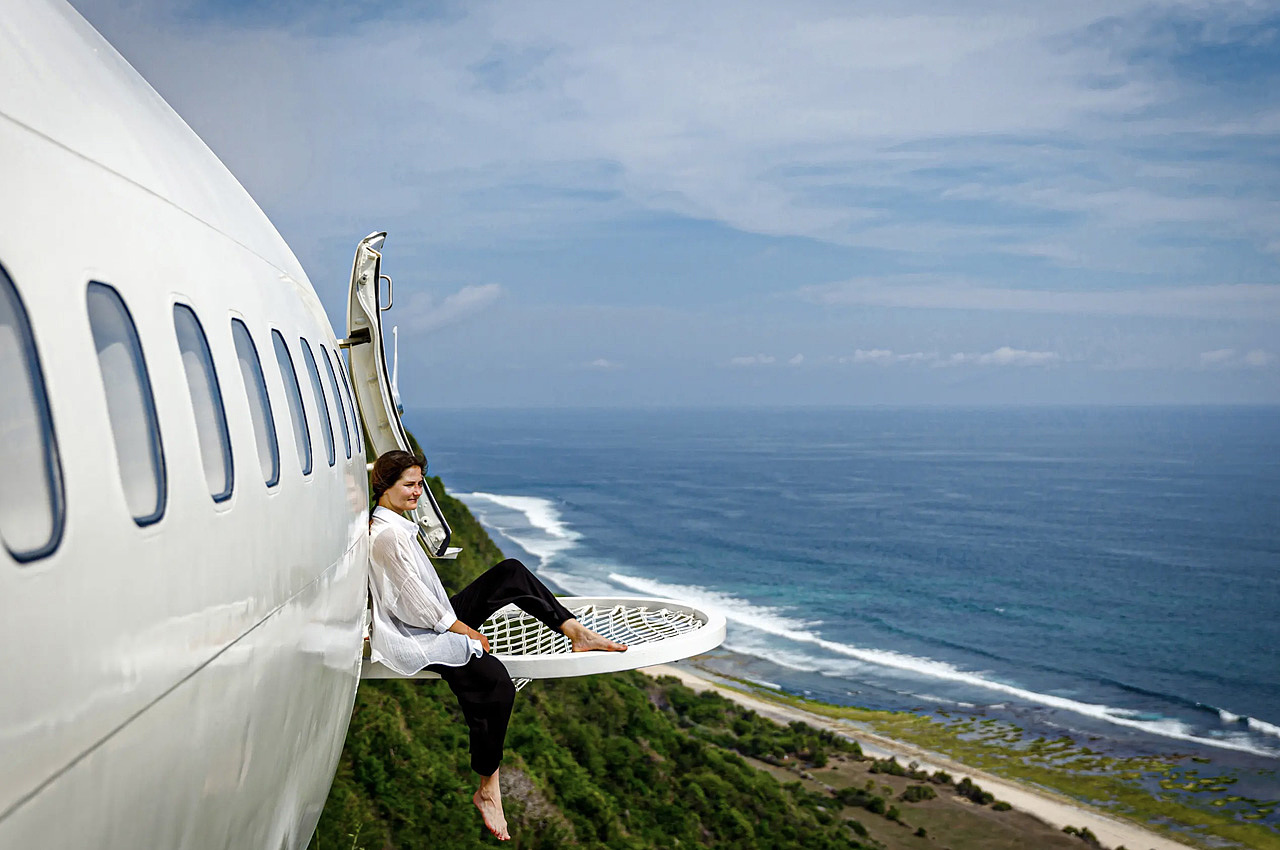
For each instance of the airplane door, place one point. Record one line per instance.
(367, 363)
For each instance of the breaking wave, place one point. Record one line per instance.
(547, 536)
(772, 622)
(1263, 726)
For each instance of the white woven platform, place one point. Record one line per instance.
(657, 631)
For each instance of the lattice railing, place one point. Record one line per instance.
(513, 632)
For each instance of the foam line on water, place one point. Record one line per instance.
(765, 683)
(577, 585)
(771, 621)
(546, 536)
(1263, 726)
(542, 513)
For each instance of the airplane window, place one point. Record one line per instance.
(130, 405)
(206, 402)
(337, 399)
(322, 408)
(301, 432)
(31, 506)
(264, 431)
(346, 388)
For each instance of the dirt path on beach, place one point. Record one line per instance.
(1052, 809)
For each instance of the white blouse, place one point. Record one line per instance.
(411, 611)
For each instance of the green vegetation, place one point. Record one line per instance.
(918, 793)
(968, 789)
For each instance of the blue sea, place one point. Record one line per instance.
(1103, 572)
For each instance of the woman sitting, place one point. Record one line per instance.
(416, 626)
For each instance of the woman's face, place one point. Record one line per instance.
(404, 494)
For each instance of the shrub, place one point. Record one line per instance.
(1084, 834)
(967, 788)
(917, 793)
(1000, 806)
(889, 766)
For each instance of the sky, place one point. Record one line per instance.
(738, 203)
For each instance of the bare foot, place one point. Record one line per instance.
(489, 801)
(585, 640)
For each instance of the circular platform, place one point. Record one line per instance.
(657, 631)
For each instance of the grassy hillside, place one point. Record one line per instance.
(617, 761)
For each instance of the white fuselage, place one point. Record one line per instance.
(185, 682)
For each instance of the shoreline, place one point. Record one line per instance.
(1056, 810)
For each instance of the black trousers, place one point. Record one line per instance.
(482, 685)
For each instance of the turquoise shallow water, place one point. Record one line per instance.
(1111, 572)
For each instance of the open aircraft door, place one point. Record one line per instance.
(370, 381)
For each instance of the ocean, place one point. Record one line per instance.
(1102, 572)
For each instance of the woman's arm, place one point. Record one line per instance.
(462, 628)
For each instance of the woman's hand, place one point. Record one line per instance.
(463, 629)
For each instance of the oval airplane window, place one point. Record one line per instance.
(351, 407)
(130, 404)
(301, 431)
(337, 400)
(31, 501)
(322, 408)
(264, 423)
(206, 402)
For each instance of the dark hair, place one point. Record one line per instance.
(388, 468)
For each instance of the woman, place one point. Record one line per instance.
(416, 626)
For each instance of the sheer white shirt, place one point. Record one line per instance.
(411, 611)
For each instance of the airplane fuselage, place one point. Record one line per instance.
(180, 612)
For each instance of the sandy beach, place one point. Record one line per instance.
(1057, 811)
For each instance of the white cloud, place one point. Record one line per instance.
(752, 360)
(1006, 356)
(424, 313)
(1241, 301)
(1003, 356)
(884, 357)
(1217, 357)
(875, 355)
(1229, 358)
(797, 360)
(604, 364)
